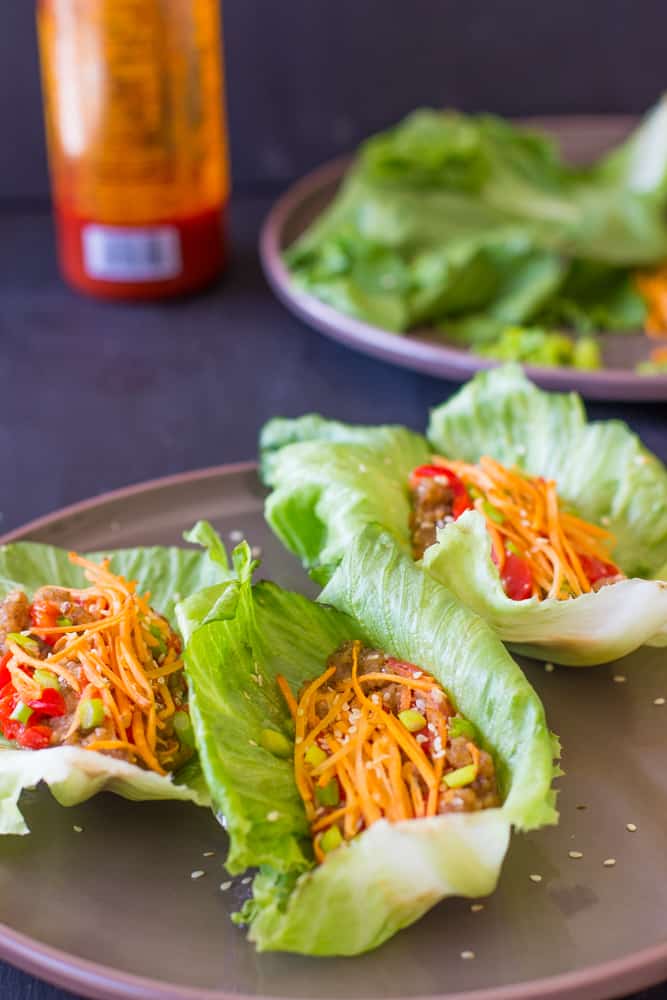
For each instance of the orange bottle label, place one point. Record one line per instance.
(133, 93)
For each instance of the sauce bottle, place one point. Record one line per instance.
(133, 94)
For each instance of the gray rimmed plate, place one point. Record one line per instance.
(112, 911)
(581, 138)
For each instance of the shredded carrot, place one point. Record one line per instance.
(379, 766)
(527, 517)
(652, 286)
(112, 657)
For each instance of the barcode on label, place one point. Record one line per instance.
(115, 253)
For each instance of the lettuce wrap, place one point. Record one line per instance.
(72, 773)
(392, 873)
(329, 479)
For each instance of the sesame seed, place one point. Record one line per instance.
(535, 878)
(658, 701)
(477, 907)
(417, 674)
(224, 886)
(362, 467)
(273, 816)
(197, 874)
(575, 854)
(256, 551)
(620, 678)
(298, 739)
(609, 862)
(605, 520)
(235, 535)
(466, 955)
(253, 743)
(549, 667)
(247, 880)
(632, 827)
(208, 854)
(78, 829)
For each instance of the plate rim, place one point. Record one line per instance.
(631, 972)
(416, 354)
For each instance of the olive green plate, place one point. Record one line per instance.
(112, 911)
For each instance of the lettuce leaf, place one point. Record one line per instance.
(603, 472)
(392, 873)
(450, 217)
(74, 774)
(330, 479)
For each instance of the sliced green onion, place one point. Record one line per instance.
(314, 755)
(157, 634)
(183, 729)
(473, 492)
(26, 641)
(91, 713)
(461, 776)
(21, 713)
(275, 743)
(46, 679)
(329, 795)
(461, 727)
(64, 621)
(412, 720)
(493, 513)
(511, 547)
(331, 839)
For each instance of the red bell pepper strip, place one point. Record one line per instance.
(596, 569)
(50, 703)
(461, 499)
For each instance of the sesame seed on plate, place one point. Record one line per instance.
(535, 878)
(609, 862)
(78, 829)
(256, 551)
(273, 816)
(632, 827)
(224, 886)
(466, 955)
(208, 854)
(197, 874)
(247, 880)
(477, 907)
(619, 678)
(658, 701)
(549, 667)
(236, 535)
(575, 855)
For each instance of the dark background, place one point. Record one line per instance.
(309, 78)
(96, 396)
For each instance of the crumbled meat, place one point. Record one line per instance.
(14, 615)
(432, 502)
(67, 607)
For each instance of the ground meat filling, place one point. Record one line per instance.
(432, 504)
(378, 738)
(58, 705)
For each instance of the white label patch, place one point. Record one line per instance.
(117, 253)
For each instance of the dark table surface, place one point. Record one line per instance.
(98, 396)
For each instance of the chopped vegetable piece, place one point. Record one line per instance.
(64, 621)
(25, 641)
(21, 713)
(34, 737)
(183, 728)
(517, 578)
(413, 720)
(91, 713)
(331, 839)
(46, 679)
(50, 703)
(493, 512)
(275, 743)
(314, 755)
(328, 795)
(461, 727)
(462, 776)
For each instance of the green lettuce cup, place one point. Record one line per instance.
(359, 896)
(74, 773)
(329, 479)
